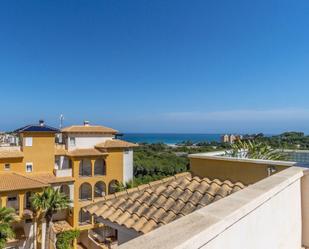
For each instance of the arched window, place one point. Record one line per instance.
(84, 217)
(85, 167)
(65, 190)
(100, 167)
(99, 189)
(112, 186)
(85, 192)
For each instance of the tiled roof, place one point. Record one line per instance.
(49, 178)
(11, 152)
(115, 143)
(89, 129)
(13, 181)
(150, 206)
(86, 152)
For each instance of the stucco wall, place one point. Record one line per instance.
(114, 171)
(16, 165)
(244, 171)
(84, 141)
(41, 153)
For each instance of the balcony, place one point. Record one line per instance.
(63, 172)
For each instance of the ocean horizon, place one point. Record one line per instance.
(175, 138)
(170, 138)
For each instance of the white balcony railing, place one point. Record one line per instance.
(63, 172)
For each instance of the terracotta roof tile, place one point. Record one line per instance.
(168, 217)
(147, 207)
(13, 181)
(11, 152)
(89, 129)
(115, 143)
(49, 178)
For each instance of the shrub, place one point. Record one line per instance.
(65, 239)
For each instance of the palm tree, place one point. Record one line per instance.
(6, 231)
(254, 150)
(48, 203)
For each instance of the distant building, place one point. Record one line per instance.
(7, 139)
(225, 138)
(230, 138)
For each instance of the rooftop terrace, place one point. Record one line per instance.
(271, 212)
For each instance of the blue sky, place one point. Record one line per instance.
(198, 66)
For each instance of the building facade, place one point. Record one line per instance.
(85, 162)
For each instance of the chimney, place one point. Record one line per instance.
(41, 122)
(86, 123)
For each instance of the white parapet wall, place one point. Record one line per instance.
(305, 208)
(265, 215)
(127, 165)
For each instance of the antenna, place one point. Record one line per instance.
(61, 118)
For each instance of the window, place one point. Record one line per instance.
(99, 167)
(28, 141)
(72, 141)
(28, 167)
(14, 198)
(7, 166)
(57, 162)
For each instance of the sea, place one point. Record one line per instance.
(169, 138)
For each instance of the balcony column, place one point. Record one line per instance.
(75, 244)
(4, 200)
(92, 167)
(21, 200)
(75, 167)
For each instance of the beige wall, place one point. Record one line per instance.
(305, 208)
(246, 172)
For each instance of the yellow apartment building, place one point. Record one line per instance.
(84, 161)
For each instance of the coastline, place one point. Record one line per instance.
(170, 139)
